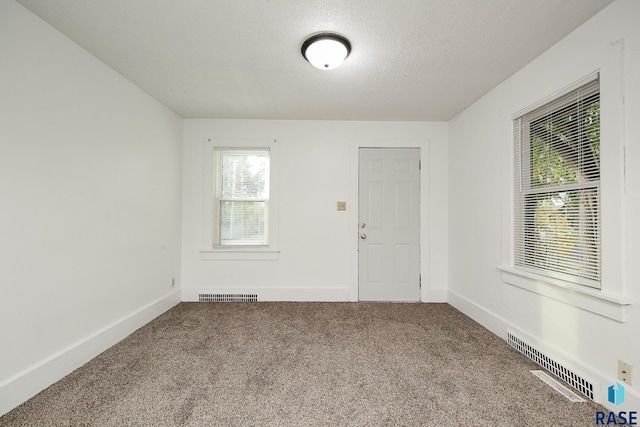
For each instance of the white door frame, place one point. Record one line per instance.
(352, 208)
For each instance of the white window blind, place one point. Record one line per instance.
(557, 187)
(241, 208)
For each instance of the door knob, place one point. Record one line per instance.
(363, 236)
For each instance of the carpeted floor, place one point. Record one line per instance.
(305, 364)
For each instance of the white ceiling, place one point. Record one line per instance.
(411, 59)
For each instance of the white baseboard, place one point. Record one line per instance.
(275, 294)
(32, 381)
(486, 318)
(299, 294)
(499, 326)
(435, 295)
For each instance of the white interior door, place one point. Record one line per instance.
(389, 224)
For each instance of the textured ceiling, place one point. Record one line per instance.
(411, 59)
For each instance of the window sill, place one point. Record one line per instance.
(607, 305)
(240, 254)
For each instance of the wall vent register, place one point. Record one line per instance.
(227, 297)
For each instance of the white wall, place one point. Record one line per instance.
(317, 167)
(90, 171)
(480, 194)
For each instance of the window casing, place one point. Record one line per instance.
(241, 197)
(557, 187)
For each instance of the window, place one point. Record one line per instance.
(557, 187)
(241, 197)
(240, 204)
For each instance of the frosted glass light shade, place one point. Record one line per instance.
(326, 51)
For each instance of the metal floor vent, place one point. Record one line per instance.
(554, 384)
(227, 297)
(574, 380)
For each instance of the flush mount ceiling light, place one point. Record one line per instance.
(326, 51)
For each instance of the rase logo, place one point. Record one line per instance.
(616, 396)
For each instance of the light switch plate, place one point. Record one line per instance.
(342, 206)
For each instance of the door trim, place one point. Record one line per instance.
(425, 227)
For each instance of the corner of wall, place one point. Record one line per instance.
(27, 384)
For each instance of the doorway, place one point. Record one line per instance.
(389, 224)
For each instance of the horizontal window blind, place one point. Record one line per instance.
(242, 195)
(557, 191)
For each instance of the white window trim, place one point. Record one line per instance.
(209, 250)
(590, 299)
(522, 184)
(240, 254)
(612, 300)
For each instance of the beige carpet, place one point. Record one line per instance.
(305, 364)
